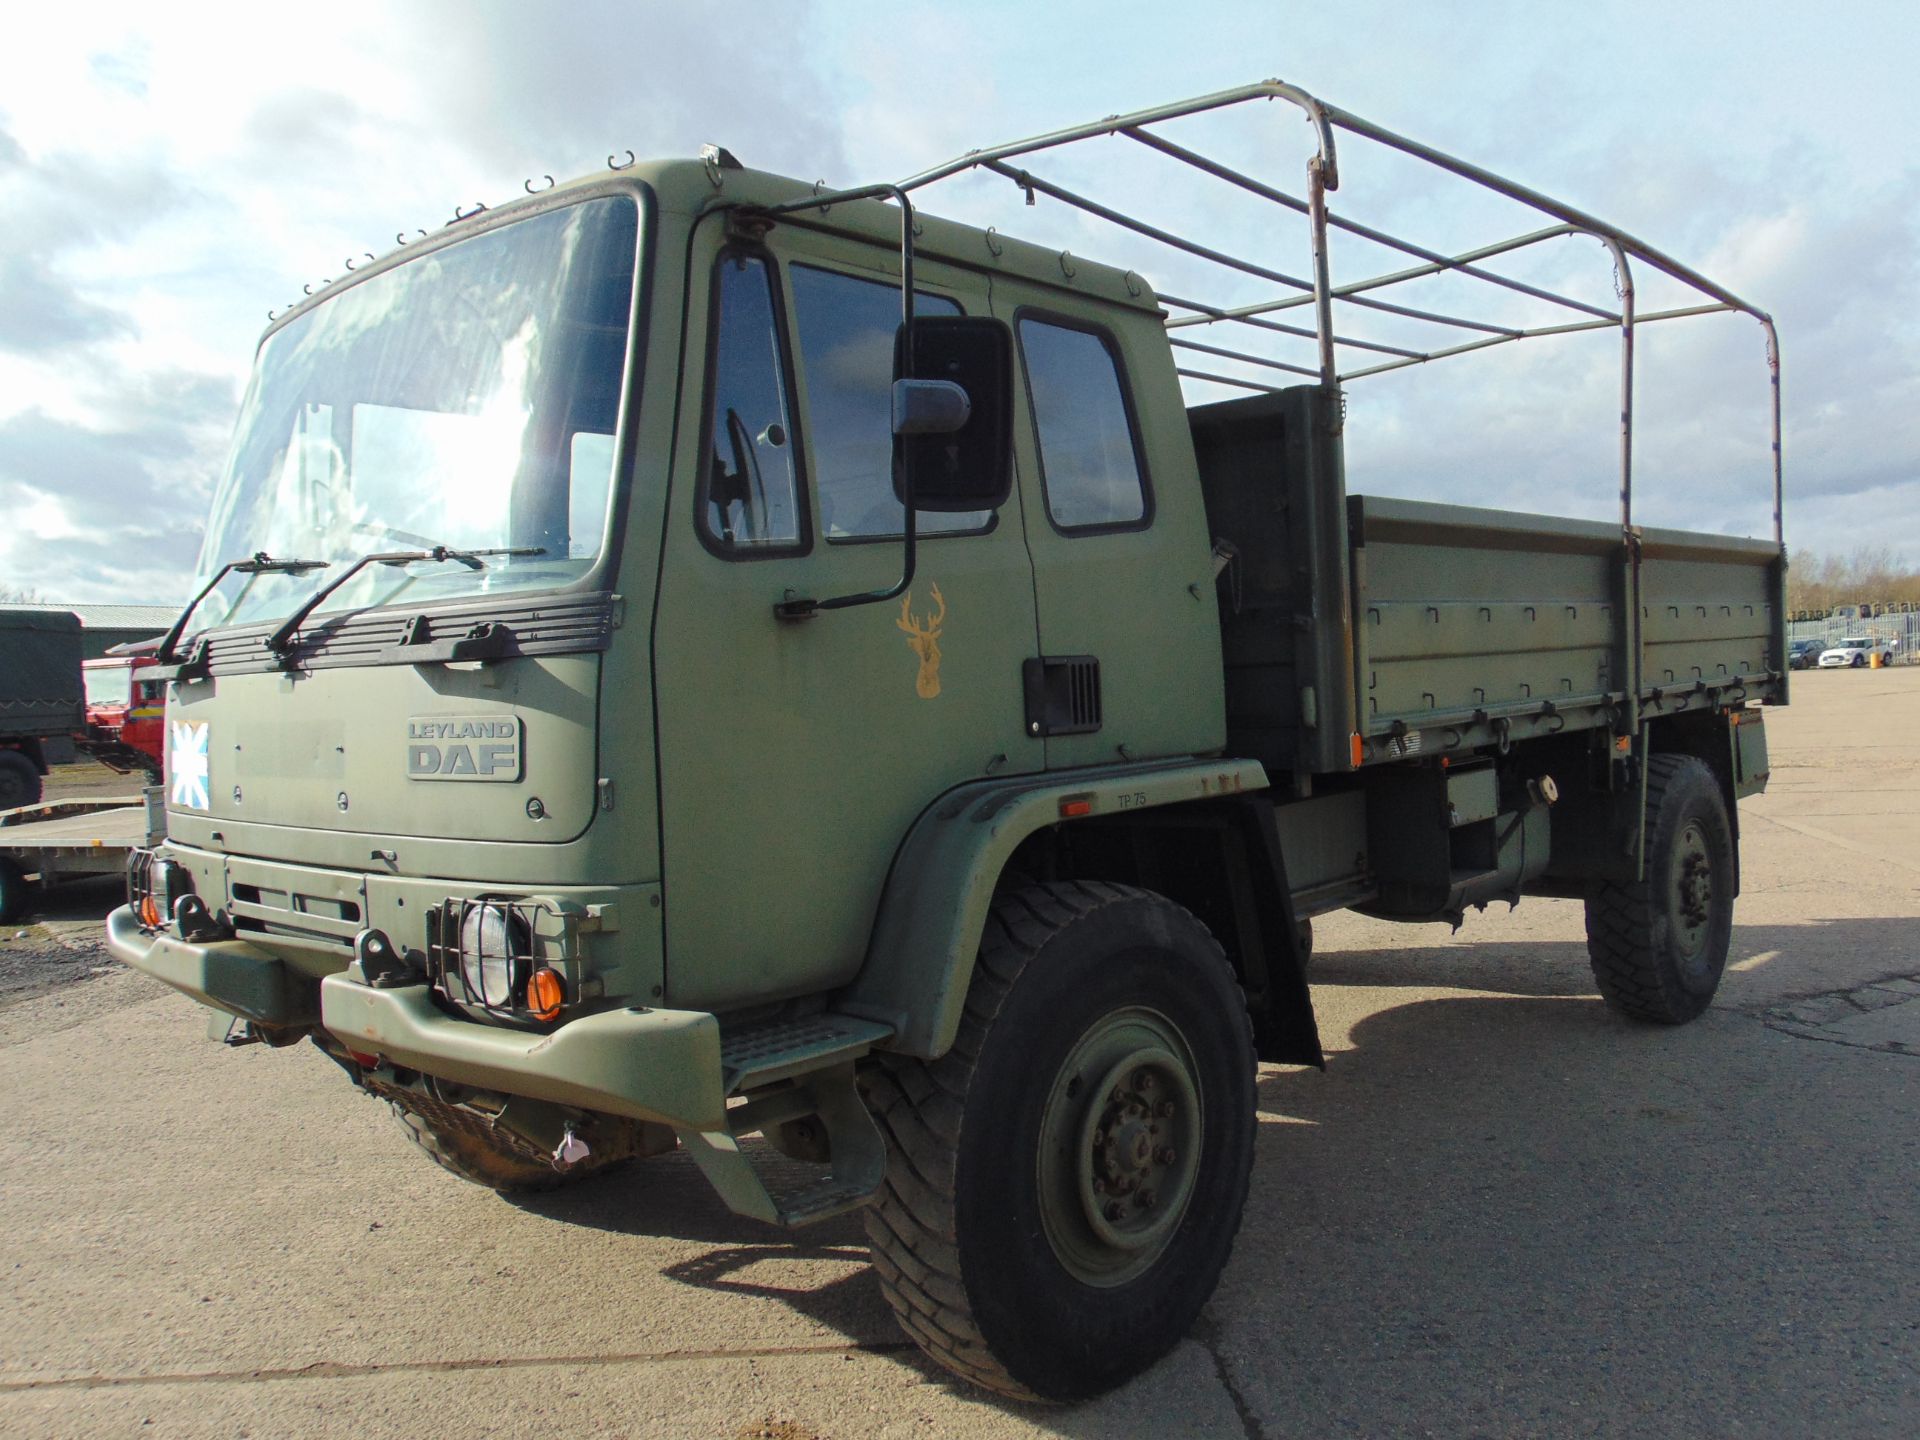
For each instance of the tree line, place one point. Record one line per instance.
(1871, 574)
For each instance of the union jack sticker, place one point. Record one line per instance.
(187, 765)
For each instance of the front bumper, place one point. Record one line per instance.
(649, 1064)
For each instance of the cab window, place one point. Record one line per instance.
(846, 328)
(1089, 455)
(750, 496)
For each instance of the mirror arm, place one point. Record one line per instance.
(802, 609)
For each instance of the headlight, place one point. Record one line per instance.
(491, 957)
(153, 886)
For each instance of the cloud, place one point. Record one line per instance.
(115, 512)
(42, 311)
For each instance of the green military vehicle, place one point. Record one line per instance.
(43, 703)
(689, 655)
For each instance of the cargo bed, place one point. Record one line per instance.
(1359, 630)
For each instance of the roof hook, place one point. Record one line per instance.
(613, 164)
(400, 236)
(459, 215)
(820, 188)
(531, 191)
(1025, 182)
(352, 259)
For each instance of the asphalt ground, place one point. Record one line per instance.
(1501, 1210)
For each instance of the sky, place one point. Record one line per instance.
(168, 175)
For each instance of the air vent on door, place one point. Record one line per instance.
(1063, 695)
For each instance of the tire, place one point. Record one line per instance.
(991, 1236)
(1859, 662)
(462, 1142)
(19, 781)
(15, 892)
(1659, 945)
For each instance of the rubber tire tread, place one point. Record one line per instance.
(1632, 974)
(492, 1166)
(918, 1106)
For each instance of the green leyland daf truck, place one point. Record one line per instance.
(691, 655)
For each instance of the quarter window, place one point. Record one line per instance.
(847, 328)
(1088, 460)
(750, 500)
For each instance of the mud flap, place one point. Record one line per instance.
(1284, 1029)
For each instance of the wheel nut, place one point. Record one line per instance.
(1116, 1211)
(1144, 1199)
(1166, 1155)
(1099, 1186)
(1164, 1109)
(1143, 1080)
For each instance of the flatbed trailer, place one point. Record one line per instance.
(43, 845)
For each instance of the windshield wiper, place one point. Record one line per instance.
(261, 563)
(281, 640)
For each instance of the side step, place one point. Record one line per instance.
(816, 1054)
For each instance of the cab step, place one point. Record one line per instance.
(795, 1069)
(763, 1054)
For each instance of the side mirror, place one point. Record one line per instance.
(953, 416)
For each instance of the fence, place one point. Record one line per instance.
(1903, 630)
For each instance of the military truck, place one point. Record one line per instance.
(42, 700)
(691, 655)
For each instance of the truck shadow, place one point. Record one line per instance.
(1476, 1177)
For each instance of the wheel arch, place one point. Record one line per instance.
(955, 857)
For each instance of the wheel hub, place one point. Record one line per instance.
(1119, 1147)
(1692, 888)
(1129, 1156)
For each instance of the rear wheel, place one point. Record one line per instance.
(14, 892)
(1659, 945)
(19, 780)
(1064, 1185)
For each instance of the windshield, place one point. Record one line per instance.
(1857, 642)
(109, 684)
(467, 398)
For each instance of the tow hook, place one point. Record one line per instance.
(570, 1151)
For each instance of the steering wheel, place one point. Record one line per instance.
(746, 465)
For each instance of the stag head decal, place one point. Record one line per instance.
(923, 637)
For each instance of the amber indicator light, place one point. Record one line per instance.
(546, 993)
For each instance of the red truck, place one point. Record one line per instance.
(126, 711)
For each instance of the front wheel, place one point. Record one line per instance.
(1659, 945)
(464, 1142)
(1064, 1185)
